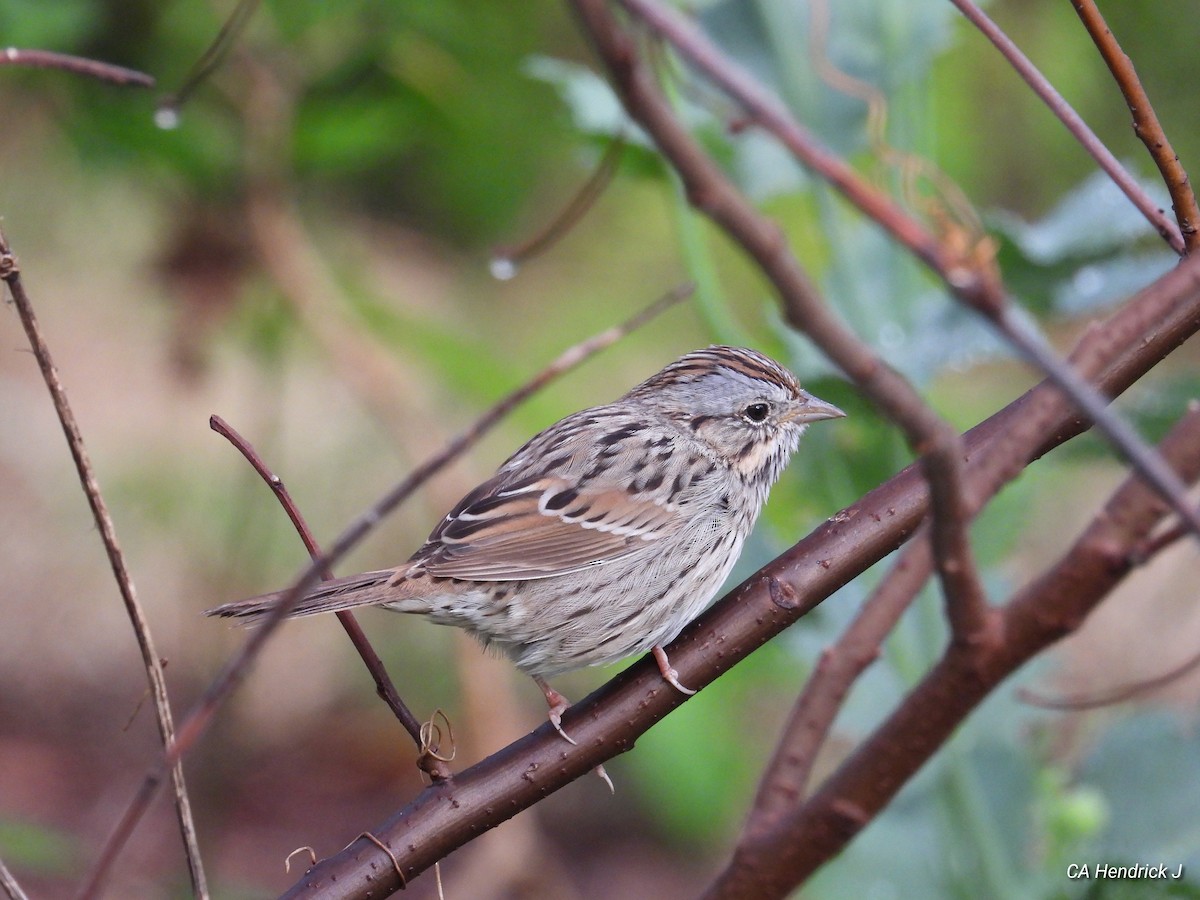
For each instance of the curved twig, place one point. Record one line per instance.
(383, 683)
(506, 261)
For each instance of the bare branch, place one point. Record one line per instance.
(210, 60)
(11, 274)
(1074, 124)
(782, 786)
(1112, 696)
(1038, 616)
(200, 717)
(786, 777)
(77, 65)
(383, 683)
(608, 722)
(971, 277)
(1145, 121)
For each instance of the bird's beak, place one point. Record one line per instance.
(812, 409)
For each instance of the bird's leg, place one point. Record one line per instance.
(558, 705)
(668, 672)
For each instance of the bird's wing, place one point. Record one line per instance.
(540, 527)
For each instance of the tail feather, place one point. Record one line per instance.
(329, 596)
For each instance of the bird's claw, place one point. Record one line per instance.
(670, 676)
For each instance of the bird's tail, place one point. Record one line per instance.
(329, 596)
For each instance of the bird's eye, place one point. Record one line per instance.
(757, 412)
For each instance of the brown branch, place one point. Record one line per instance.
(383, 683)
(782, 785)
(1066, 114)
(10, 272)
(1038, 616)
(786, 777)
(711, 192)
(76, 65)
(967, 276)
(608, 722)
(972, 280)
(200, 717)
(1145, 121)
(10, 885)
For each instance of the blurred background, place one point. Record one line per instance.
(310, 255)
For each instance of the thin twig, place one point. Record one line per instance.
(1112, 696)
(10, 885)
(77, 65)
(210, 60)
(1066, 114)
(383, 683)
(200, 717)
(710, 191)
(506, 261)
(1145, 121)
(11, 274)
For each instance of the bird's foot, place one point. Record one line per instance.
(558, 705)
(670, 676)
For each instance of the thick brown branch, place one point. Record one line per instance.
(1041, 614)
(609, 721)
(1145, 121)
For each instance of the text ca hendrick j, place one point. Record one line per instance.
(1107, 871)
